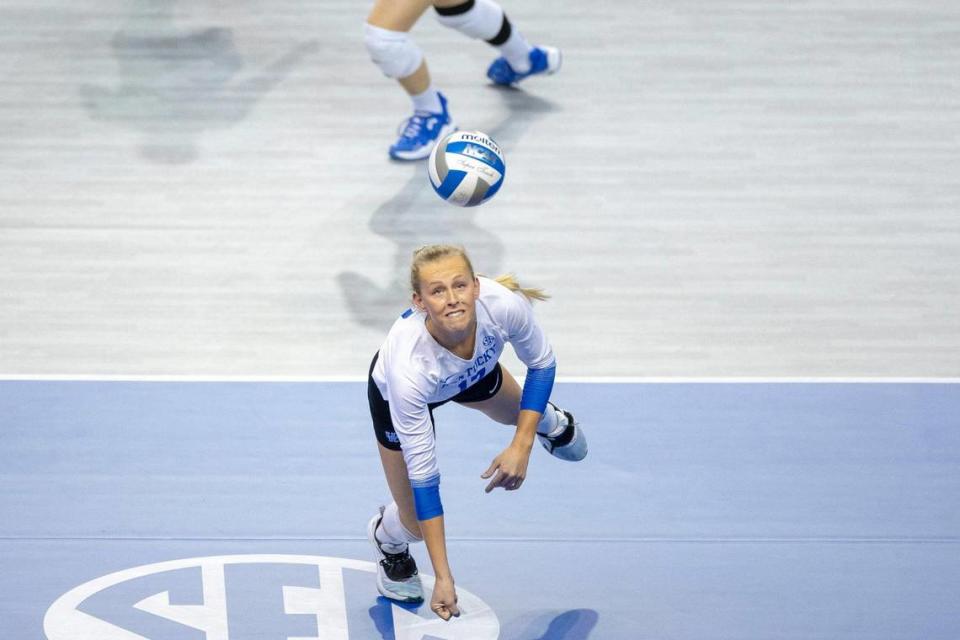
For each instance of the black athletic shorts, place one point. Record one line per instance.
(484, 388)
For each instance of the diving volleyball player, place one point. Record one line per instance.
(446, 347)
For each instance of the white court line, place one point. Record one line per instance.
(174, 378)
(561, 379)
(880, 539)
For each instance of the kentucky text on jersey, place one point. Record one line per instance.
(480, 367)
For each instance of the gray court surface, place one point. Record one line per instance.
(709, 190)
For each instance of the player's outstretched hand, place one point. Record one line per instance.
(443, 602)
(508, 469)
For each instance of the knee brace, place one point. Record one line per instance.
(397, 55)
(481, 19)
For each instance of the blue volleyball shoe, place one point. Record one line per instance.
(420, 132)
(542, 60)
(570, 444)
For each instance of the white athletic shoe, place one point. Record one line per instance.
(570, 445)
(397, 576)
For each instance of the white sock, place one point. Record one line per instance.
(517, 51)
(552, 422)
(391, 533)
(429, 101)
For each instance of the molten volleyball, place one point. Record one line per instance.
(466, 168)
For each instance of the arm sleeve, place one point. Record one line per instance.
(426, 498)
(537, 387)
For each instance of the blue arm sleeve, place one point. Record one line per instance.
(537, 387)
(426, 497)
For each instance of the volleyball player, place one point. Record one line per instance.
(446, 347)
(386, 35)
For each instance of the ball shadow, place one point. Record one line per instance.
(415, 216)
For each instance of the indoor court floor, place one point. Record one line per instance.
(721, 510)
(745, 212)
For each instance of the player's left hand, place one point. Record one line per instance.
(508, 469)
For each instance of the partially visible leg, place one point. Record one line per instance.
(557, 431)
(393, 50)
(395, 470)
(390, 536)
(395, 526)
(417, 86)
(504, 406)
(485, 20)
(399, 17)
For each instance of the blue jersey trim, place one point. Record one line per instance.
(406, 314)
(537, 387)
(426, 497)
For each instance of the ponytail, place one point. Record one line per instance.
(530, 293)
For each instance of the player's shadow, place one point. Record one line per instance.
(174, 84)
(524, 109)
(411, 218)
(382, 615)
(575, 624)
(415, 216)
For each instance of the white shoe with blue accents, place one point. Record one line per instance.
(570, 444)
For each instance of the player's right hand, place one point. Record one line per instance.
(443, 602)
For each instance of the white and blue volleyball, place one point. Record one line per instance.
(466, 168)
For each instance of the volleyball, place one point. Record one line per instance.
(466, 168)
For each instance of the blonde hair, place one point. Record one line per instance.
(433, 252)
(530, 293)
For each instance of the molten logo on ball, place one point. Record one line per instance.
(466, 168)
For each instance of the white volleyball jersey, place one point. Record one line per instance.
(414, 370)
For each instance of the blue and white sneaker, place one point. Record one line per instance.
(542, 60)
(570, 445)
(420, 132)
